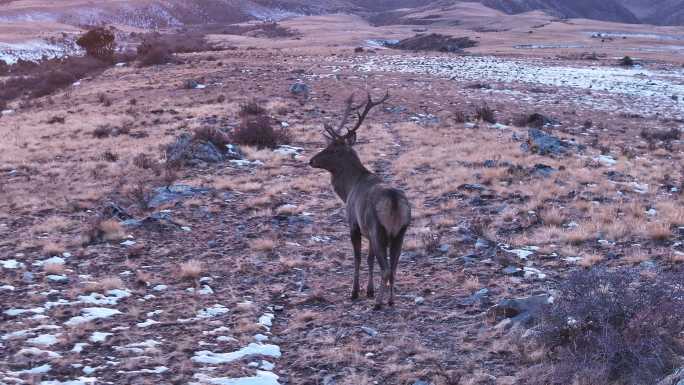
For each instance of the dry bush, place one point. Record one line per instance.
(430, 241)
(259, 131)
(485, 113)
(53, 268)
(263, 244)
(251, 107)
(44, 78)
(552, 216)
(103, 231)
(613, 327)
(157, 48)
(104, 284)
(99, 43)
(191, 269)
(212, 135)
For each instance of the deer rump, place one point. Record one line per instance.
(377, 210)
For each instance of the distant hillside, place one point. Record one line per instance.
(659, 12)
(608, 10)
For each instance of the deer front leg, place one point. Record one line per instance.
(356, 244)
(370, 290)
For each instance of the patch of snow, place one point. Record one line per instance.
(147, 323)
(112, 298)
(12, 264)
(207, 357)
(79, 381)
(35, 352)
(260, 337)
(97, 337)
(44, 340)
(128, 242)
(266, 320)
(37, 370)
(606, 160)
(57, 278)
(78, 347)
(90, 314)
(245, 162)
(7, 287)
(160, 288)
(226, 339)
(261, 378)
(213, 311)
(15, 312)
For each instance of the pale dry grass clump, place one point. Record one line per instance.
(191, 269)
(264, 245)
(104, 284)
(53, 268)
(112, 230)
(552, 216)
(51, 225)
(472, 283)
(53, 248)
(589, 260)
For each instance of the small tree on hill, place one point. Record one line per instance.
(99, 43)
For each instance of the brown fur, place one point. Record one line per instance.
(379, 213)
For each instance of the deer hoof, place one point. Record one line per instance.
(370, 293)
(355, 295)
(390, 302)
(378, 306)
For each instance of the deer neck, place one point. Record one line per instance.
(344, 179)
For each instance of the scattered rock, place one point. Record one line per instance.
(537, 120)
(521, 310)
(676, 378)
(542, 170)
(480, 297)
(190, 150)
(174, 193)
(544, 144)
(513, 270)
(300, 88)
(434, 42)
(370, 331)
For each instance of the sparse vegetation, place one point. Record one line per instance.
(613, 327)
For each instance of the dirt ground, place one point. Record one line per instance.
(250, 277)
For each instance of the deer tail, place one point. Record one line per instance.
(394, 212)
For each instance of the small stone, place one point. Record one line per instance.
(444, 248)
(370, 331)
(419, 300)
(482, 243)
(300, 88)
(512, 270)
(27, 277)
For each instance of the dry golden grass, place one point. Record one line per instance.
(589, 260)
(265, 245)
(472, 283)
(552, 216)
(53, 268)
(671, 212)
(51, 225)
(112, 230)
(104, 284)
(53, 248)
(191, 269)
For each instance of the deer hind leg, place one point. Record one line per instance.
(395, 252)
(370, 290)
(356, 244)
(380, 251)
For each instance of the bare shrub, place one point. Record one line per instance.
(44, 78)
(99, 43)
(212, 135)
(430, 241)
(258, 131)
(191, 269)
(616, 326)
(485, 113)
(251, 107)
(103, 131)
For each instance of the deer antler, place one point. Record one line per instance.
(334, 134)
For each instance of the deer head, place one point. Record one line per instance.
(339, 152)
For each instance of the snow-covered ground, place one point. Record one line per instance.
(626, 90)
(34, 50)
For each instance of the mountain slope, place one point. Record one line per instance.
(608, 10)
(659, 12)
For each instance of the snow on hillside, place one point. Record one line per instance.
(34, 50)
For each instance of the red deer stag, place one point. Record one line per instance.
(375, 211)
